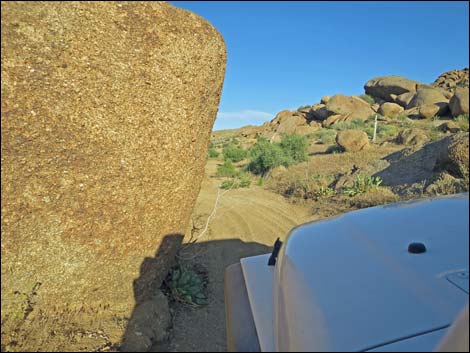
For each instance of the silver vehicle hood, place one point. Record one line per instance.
(350, 284)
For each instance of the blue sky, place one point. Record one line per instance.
(282, 55)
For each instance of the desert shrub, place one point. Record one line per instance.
(363, 184)
(462, 121)
(227, 169)
(242, 181)
(446, 184)
(313, 187)
(325, 136)
(367, 98)
(295, 147)
(245, 180)
(229, 184)
(187, 286)
(234, 153)
(212, 153)
(260, 181)
(265, 156)
(355, 124)
(432, 131)
(384, 131)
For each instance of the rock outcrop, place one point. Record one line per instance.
(107, 110)
(385, 86)
(450, 80)
(459, 102)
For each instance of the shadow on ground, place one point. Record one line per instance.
(192, 329)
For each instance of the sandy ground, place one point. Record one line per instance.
(246, 223)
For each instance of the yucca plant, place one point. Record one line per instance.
(187, 286)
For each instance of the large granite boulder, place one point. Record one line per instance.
(459, 102)
(107, 110)
(352, 140)
(352, 106)
(386, 86)
(429, 97)
(390, 109)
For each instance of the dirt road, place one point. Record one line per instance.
(246, 223)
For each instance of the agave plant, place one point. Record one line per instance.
(187, 286)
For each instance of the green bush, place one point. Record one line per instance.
(234, 153)
(295, 147)
(243, 181)
(355, 124)
(265, 156)
(212, 153)
(384, 132)
(229, 184)
(227, 169)
(367, 98)
(363, 184)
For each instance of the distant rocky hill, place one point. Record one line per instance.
(386, 96)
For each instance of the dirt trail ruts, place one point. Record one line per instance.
(247, 222)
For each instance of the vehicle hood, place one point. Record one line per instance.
(350, 284)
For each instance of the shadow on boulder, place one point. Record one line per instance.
(407, 167)
(151, 324)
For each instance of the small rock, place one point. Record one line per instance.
(449, 126)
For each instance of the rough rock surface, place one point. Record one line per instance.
(352, 140)
(319, 111)
(412, 136)
(427, 164)
(149, 323)
(383, 87)
(451, 79)
(428, 97)
(353, 106)
(459, 102)
(404, 99)
(390, 109)
(107, 111)
(455, 159)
